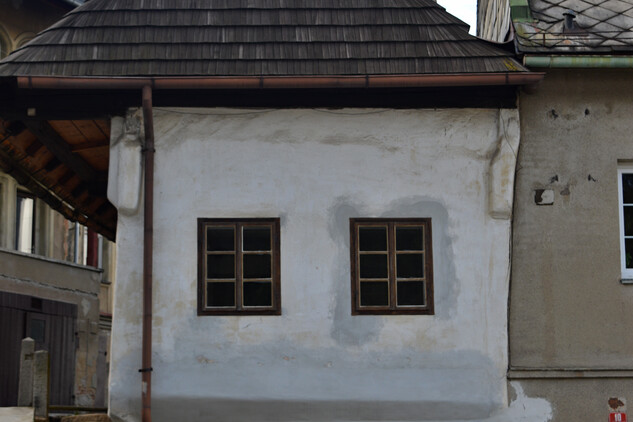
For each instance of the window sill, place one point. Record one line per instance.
(626, 281)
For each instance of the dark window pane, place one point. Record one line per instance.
(38, 330)
(374, 293)
(627, 188)
(256, 266)
(220, 294)
(628, 244)
(628, 220)
(220, 239)
(372, 238)
(221, 266)
(409, 238)
(256, 239)
(373, 266)
(258, 293)
(410, 293)
(410, 265)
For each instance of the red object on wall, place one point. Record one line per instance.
(617, 417)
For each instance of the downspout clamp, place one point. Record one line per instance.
(148, 255)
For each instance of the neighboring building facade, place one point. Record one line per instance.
(570, 298)
(44, 272)
(333, 188)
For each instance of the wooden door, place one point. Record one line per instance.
(52, 325)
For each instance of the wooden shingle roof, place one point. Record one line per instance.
(257, 37)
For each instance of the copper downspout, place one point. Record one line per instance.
(281, 82)
(148, 255)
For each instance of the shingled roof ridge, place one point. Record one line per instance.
(336, 17)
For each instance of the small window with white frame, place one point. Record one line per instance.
(625, 188)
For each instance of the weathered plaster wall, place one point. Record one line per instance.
(315, 169)
(45, 278)
(568, 308)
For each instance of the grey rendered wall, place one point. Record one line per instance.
(315, 169)
(568, 309)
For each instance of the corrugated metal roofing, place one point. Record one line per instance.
(602, 26)
(255, 38)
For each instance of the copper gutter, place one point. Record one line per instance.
(148, 255)
(280, 82)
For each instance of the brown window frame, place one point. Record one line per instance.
(392, 308)
(238, 224)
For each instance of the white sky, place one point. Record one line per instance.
(465, 10)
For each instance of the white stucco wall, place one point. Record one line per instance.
(315, 169)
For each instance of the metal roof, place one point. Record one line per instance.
(257, 37)
(597, 26)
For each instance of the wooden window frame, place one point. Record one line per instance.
(392, 308)
(238, 224)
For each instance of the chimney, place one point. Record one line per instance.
(570, 21)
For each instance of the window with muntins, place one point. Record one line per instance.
(238, 266)
(625, 187)
(392, 266)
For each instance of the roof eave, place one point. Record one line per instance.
(280, 82)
